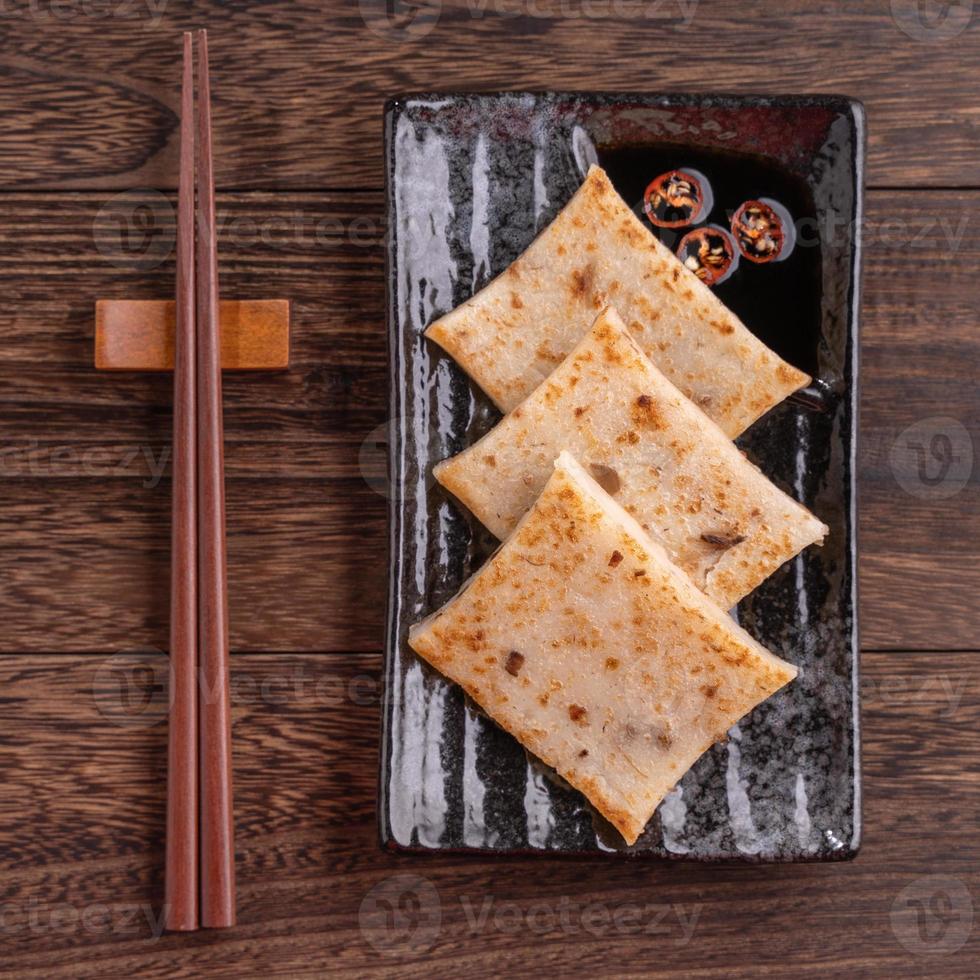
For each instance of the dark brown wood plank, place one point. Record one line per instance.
(86, 564)
(82, 453)
(295, 109)
(83, 872)
(919, 387)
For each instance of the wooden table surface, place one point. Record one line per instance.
(88, 99)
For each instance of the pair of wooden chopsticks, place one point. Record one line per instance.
(200, 863)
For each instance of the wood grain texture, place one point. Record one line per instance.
(294, 109)
(81, 877)
(217, 826)
(86, 564)
(138, 334)
(89, 94)
(182, 862)
(82, 453)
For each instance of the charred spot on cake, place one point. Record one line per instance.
(722, 540)
(514, 663)
(615, 558)
(612, 663)
(583, 281)
(645, 412)
(578, 714)
(490, 460)
(531, 561)
(709, 690)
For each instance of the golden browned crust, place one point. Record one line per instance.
(583, 640)
(515, 331)
(662, 459)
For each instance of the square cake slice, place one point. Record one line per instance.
(512, 334)
(719, 518)
(584, 641)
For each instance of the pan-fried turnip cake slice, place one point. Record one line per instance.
(720, 519)
(513, 333)
(583, 640)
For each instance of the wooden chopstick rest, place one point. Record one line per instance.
(138, 335)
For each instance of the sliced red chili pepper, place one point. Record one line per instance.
(678, 198)
(709, 253)
(764, 231)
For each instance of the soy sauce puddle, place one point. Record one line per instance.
(778, 302)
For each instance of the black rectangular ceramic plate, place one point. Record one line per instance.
(471, 179)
